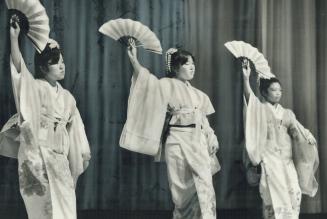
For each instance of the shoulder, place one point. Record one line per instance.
(166, 82)
(289, 117)
(41, 86)
(206, 104)
(289, 113)
(41, 82)
(202, 94)
(68, 96)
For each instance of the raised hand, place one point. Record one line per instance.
(14, 47)
(14, 27)
(53, 44)
(246, 68)
(132, 54)
(131, 49)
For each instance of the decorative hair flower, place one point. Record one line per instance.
(169, 52)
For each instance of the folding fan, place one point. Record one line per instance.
(32, 19)
(123, 29)
(241, 49)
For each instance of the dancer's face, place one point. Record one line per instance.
(187, 70)
(274, 93)
(56, 71)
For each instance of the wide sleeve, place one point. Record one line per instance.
(26, 94)
(211, 138)
(79, 149)
(305, 156)
(146, 112)
(255, 121)
(207, 107)
(213, 146)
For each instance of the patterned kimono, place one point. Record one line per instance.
(277, 141)
(52, 146)
(189, 164)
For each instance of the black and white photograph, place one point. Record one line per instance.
(163, 109)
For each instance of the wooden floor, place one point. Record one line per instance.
(103, 214)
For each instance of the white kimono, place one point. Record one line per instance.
(277, 141)
(51, 144)
(189, 164)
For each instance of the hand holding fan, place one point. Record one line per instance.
(32, 19)
(241, 49)
(124, 29)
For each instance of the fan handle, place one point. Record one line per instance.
(125, 41)
(20, 18)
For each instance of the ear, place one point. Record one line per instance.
(264, 94)
(175, 69)
(44, 70)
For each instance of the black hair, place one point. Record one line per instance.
(177, 59)
(265, 84)
(49, 56)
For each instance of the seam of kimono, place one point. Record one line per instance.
(142, 136)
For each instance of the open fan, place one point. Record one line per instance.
(123, 29)
(241, 49)
(32, 19)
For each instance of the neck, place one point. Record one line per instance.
(53, 83)
(182, 80)
(273, 103)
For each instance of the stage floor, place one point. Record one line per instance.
(103, 214)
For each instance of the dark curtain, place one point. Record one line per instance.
(291, 34)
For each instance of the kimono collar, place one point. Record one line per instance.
(277, 110)
(187, 83)
(58, 88)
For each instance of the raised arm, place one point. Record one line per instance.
(15, 51)
(246, 78)
(132, 54)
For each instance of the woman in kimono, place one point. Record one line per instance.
(285, 150)
(189, 144)
(53, 149)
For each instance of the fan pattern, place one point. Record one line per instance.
(241, 49)
(36, 25)
(122, 29)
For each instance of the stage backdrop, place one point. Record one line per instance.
(292, 35)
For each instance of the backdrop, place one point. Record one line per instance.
(291, 33)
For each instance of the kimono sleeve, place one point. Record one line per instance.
(305, 157)
(255, 128)
(208, 108)
(27, 100)
(146, 112)
(79, 149)
(211, 138)
(24, 89)
(213, 147)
